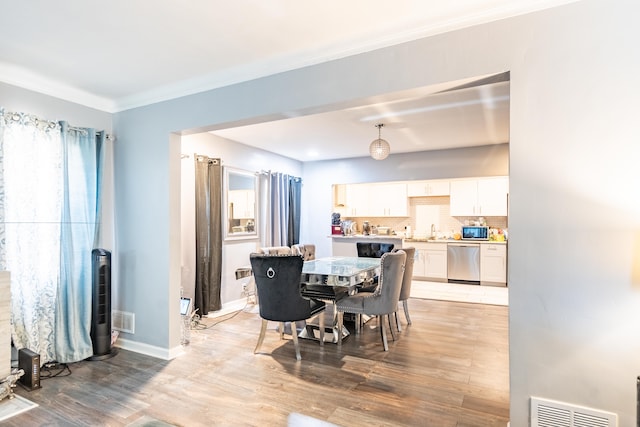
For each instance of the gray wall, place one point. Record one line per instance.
(574, 88)
(574, 250)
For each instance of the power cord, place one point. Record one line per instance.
(197, 324)
(54, 369)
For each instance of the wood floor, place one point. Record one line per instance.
(449, 368)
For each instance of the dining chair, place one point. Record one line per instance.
(278, 285)
(405, 291)
(275, 250)
(307, 251)
(382, 302)
(372, 250)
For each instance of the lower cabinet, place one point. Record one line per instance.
(430, 261)
(493, 264)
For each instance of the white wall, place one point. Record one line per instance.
(235, 253)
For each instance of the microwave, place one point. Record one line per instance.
(475, 233)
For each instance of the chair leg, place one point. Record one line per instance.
(393, 335)
(405, 304)
(321, 327)
(383, 332)
(282, 326)
(340, 325)
(263, 330)
(294, 336)
(398, 325)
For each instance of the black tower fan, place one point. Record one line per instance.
(101, 305)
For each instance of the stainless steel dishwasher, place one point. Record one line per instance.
(463, 263)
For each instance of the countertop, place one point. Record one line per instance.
(504, 242)
(370, 236)
(397, 237)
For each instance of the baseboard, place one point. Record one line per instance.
(149, 350)
(172, 353)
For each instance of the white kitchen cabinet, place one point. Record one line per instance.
(388, 200)
(357, 200)
(430, 261)
(376, 200)
(493, 264)
(428, 188)
(479, 197)
(243, 203)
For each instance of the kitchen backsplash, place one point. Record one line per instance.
(425, 211)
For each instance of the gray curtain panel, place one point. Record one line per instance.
(208, 234)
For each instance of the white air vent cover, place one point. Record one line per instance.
(123, 321)
(549, 413)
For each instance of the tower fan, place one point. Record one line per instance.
(101, 305)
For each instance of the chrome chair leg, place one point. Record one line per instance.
(321, 327)
(263, 330)
(340, 325)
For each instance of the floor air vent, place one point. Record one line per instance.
(549, 413)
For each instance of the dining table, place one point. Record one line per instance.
(329, 279)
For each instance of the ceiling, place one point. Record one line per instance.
(121, 54)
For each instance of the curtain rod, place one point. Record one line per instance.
(26, 118)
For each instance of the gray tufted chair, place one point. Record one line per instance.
(382, 302)
(405, 291)
(372, 250)
(278, 285)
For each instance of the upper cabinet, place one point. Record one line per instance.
(428, 188)
(479, 197)
(388, 199)
(373, 200)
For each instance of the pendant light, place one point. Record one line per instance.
(379, 148)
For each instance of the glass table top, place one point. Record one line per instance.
(340, 266)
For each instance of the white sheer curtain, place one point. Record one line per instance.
(49, 192)
(31, 214)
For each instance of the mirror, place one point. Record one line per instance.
(240, 204)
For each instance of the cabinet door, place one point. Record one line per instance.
(357, 200)
(436, 261)
(492, 196)
(493, 263)
(428, 188)
(418, 264)
(388, 200)
(464, 197)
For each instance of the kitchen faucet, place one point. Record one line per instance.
(433, 230)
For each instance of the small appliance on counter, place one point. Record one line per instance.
(336, 224)
(348, 227)
(473, 232)
(383, 231)
(366, 228)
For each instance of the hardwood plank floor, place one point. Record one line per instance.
(449, 368)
